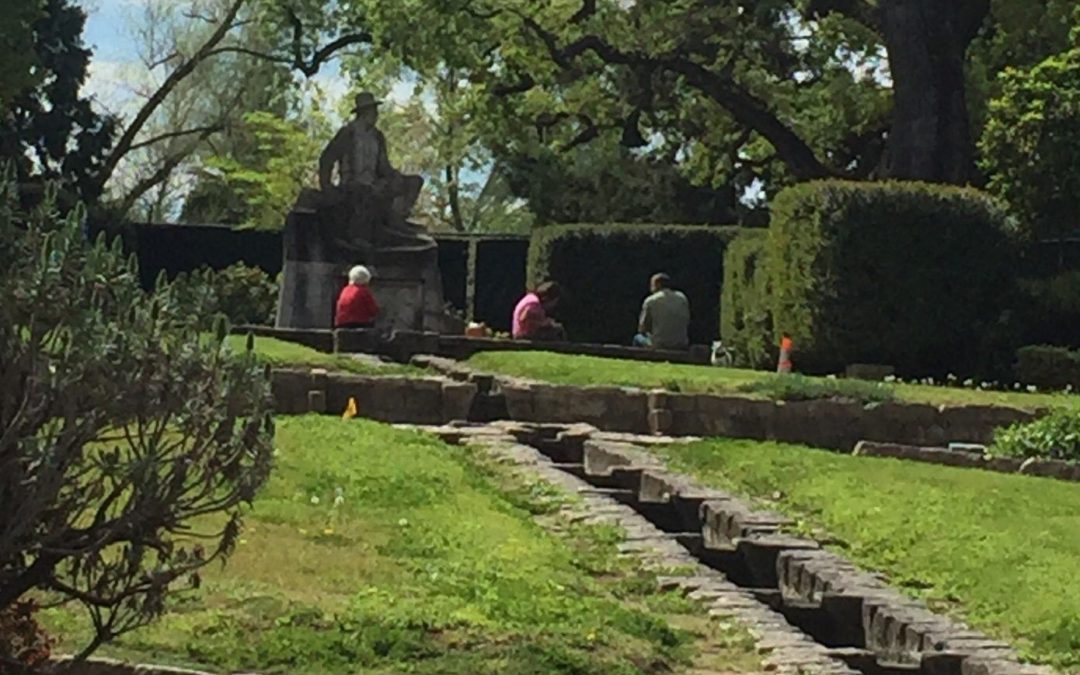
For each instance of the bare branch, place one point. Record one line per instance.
(211, 128)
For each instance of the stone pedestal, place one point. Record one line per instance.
(406, 284)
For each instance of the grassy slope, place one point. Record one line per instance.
(1001, 550)
(588, 370)
(289, 354)
(425, 564)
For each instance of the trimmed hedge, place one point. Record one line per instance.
(605, 270)
(745, 316)
(912, 275)
(1048, 367)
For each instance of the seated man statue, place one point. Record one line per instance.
(377, 198)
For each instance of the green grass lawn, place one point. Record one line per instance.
(289, 354)
(590, 370)
(1002, 551)
(376, 550)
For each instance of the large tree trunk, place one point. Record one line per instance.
(927, 41)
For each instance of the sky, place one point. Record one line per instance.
(116, 70)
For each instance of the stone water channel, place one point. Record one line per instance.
(809, 609)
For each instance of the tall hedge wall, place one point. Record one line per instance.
(745, 316)
(912, 275)
(605, 271)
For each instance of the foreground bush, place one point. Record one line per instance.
(605, 272)
(119, 424)
(905, 274)
(1055, 436)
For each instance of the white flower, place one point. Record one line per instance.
(1032, 389)
(314, 499)
(339, 500)
(890, 378)
(404, 522)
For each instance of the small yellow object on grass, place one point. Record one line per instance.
(350, 410)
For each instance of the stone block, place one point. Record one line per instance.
(660, 421)
(976, 423)
(317, 401)
(1051, 468)
(457, 400)
(289, 387)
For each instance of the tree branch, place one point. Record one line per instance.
(740, 103)
(211, 128)
(123, 146)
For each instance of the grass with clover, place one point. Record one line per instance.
(378, 550)
(591, 370)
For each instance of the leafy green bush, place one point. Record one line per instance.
(795, 387)
(911, 275)
(121, 425)
(745, 317)
(1031, 142)
(1048, 367)
(1055, 436)
(1050, 309)
(244, 295)
(605, 270)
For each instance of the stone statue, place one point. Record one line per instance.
(371, 203)
(362, 218)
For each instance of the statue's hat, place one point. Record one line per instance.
(365, 100)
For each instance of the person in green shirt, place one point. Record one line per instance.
(665, 316)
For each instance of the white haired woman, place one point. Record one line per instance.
(356, 306)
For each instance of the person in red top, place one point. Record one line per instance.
(356, 306)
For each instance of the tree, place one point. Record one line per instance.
(17, 46)
(50, 132)
(121, 427)
(1031, 143)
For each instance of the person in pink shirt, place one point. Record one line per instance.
(531, 320)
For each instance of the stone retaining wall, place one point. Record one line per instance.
(432, 400)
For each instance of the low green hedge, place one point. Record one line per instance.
(1048, 367)
(605, 270)
(912, 275)
(745, 316)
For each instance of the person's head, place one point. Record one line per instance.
(359, 275)
(366, 108)
(659, 282)
(549, 293)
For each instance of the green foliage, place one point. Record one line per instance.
(121, 424)
(604, 271)
(1048, 367)
(997, 550)
(17, 46)
(793, 387)
(1053, 436)
(259, 186)
(745, 316)
(244, 295)
(49, 131)
(1049, 309)
(1031, 142)
(606, 182)
(906, 274)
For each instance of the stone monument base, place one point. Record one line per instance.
(407, 284)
